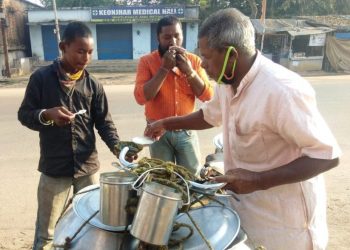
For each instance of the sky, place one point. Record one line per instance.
(34, 1)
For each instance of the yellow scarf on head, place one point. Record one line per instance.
(75, 76)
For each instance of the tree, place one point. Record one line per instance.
(248, 7)
(252, 8)
(78, 3)
(342, 7)
(290, 8)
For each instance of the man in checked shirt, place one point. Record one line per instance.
(168, 81)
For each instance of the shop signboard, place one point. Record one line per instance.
(135, 14)
(317, 40)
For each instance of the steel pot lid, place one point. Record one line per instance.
(219, 224)
(89, 237)
(87, 203)
(161, 191)
(117, 178)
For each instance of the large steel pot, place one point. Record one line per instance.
(81, 228)
(94, 238)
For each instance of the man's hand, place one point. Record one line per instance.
(155, 130)
(169, 60)
(131, 155)
(59, 115)
(240, 181)
(182, 61)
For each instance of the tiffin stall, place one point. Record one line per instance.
(150, 204)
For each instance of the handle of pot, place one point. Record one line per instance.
(120, 166)
(124, 162)
(187, 187)
(122, 155)
(144, 175)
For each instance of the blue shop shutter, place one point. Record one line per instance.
(154, 40)
(184, 25)
(343, 36)
(50, 41)
(114, 41)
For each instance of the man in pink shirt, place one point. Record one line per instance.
(276, 143)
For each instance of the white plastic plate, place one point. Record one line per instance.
(208, 185)
(143, 140)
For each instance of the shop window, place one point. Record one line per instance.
(275, 46)
(301, 48)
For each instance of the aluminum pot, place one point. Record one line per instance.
(116, 190)
(93, 238)
(81, 223)
(155, 214)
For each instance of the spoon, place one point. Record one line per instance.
(80, 112)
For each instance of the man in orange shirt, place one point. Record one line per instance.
(167, 82)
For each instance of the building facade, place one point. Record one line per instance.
(14, 20)
(337, 52)
(293, 43)
(119, 32)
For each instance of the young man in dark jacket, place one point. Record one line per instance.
(68, 155)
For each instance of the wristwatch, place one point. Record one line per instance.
(192, 75)
(41, 119)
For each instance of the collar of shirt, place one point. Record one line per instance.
(250, 76)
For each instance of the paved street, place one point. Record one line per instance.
(19, 152)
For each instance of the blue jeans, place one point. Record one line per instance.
(53, 193)
(180, 147)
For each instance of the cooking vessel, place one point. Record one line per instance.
(156, 210)
(94, 235)
(116, 191)
(155, 214)
(89, 237)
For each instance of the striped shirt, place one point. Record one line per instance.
(175, 97)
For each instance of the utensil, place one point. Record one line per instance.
(87, 203)
(155, 214)
(143, 140)
(228, 193)
(211, 188)
(124, 163)
(91, 235)
(219, 225)
(219, 141)
(208, 185)
(115, 193)
(156, 210)
(80, 112)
